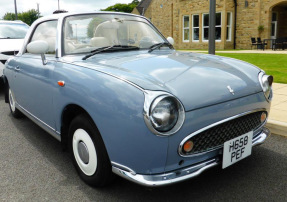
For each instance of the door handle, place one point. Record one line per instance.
(17, 68)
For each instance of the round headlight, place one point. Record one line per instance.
(164, 113)
(266, 84)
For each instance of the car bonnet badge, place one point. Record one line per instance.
(230, 90)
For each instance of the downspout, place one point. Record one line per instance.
(235, 21)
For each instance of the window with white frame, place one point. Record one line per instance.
(229, 26)
(186, 28)
(195, 27)
(205, 27)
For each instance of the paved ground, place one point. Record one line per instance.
(268, 51)
(277, 121)
(33, 168)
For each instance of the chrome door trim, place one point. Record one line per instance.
(39, 122)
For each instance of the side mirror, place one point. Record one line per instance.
(170, 40)
(39, 47)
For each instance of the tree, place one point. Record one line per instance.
(127, 8)
(28, 17)
(9, 16)
(92, 26)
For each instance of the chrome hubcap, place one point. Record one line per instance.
(83, 152)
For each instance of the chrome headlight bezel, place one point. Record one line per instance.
(266, 85)
(152, 98)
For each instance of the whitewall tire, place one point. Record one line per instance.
(12, 104)
(88, 152)
(87, 157)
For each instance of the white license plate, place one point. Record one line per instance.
(237, 149)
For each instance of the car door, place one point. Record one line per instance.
(34, 87)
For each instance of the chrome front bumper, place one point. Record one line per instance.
(178, 175)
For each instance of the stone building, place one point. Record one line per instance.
(236, 21)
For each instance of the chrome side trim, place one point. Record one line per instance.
(177, 175)
(211, 126)
(40, 123)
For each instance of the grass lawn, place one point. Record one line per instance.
(272, 64)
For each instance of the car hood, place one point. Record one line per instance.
(197, 80)
(10, 44)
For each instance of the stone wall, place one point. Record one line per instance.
(168, 18)
(163, 16)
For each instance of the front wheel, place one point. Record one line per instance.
(88, 152)
(12, 104)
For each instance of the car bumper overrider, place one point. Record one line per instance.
(181, 174)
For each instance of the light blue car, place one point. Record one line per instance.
(114, 91)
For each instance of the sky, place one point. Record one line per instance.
(47, 7)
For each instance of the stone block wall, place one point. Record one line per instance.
(167, 15)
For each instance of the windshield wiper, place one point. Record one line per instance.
(158, 45)
(107, 48)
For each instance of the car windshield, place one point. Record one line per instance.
(85, 33)
(13, 30)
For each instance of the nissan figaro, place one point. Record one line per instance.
(123, 101)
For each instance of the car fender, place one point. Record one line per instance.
(116, 108)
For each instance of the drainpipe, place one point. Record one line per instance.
(235, 19)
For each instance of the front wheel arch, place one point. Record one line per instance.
(70, 112)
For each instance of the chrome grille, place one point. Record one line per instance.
(215, 137)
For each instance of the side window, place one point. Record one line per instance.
(46, 31)
(185, 28)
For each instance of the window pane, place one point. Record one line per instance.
(228, 31)
(195, 33)
(205, 34)
(217, 33)
(186, 21)
(274, 16)
(186, 35)
(196, 21)
(206, 20)
(273, 29)
(47, 32)
(228, 18)
(218, 19)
